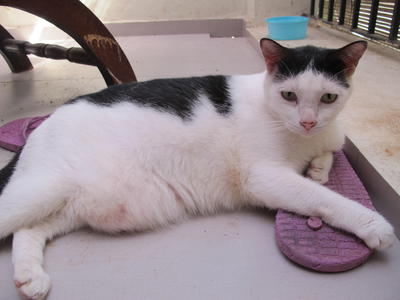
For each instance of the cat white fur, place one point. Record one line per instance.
(129, 168)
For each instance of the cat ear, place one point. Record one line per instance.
(350, 55)
(272, 52)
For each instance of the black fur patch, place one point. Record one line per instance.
(178, 96)
(323, 61)
(7, 171)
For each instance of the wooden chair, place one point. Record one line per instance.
(99, 48)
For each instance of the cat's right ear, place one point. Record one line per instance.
(350, 55)
(273, 53)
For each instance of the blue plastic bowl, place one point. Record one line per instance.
(287, 28)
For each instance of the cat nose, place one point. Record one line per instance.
(308, 124)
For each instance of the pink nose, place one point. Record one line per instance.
(308, 124)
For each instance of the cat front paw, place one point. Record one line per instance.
(377, 233)
(32, 283)
(320, 167)
(318, 174)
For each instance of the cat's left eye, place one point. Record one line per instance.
(329, 98)
(289, 96)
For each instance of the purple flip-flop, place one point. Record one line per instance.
(13, 135)
(313, 244)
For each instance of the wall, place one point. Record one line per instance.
(253, 11)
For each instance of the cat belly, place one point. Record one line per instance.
(149, 201)
(122, 216)
(130, 206)
(117, 218)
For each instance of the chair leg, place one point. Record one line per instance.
(81, 24)
(16, 62)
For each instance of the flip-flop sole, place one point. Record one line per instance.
(13, 135)
(326, 249)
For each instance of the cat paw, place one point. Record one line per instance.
(32, 283)
(318, 174)
(377, 233)
(320, 167)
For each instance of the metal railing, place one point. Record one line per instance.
(378, 20)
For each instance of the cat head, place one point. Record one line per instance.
(308, 86)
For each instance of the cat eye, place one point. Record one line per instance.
(329, 98)
(289, 96)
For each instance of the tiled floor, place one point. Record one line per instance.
(230, 256)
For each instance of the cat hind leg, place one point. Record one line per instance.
(27, 253)
(28, 199)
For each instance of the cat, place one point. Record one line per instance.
(142, 155)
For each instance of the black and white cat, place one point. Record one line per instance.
(141, 155)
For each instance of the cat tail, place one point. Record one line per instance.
(7, 171)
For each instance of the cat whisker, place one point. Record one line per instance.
(276, 122)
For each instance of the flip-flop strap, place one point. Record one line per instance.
(30, 124)
(314, 223)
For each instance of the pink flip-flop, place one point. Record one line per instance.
(13, 135)
(313, 244)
